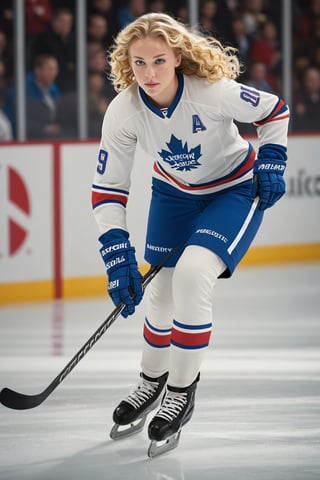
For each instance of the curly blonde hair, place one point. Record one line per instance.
(203, 56)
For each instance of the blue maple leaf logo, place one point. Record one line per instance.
(179, 157)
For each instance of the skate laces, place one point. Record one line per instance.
(172, 405)
(142, 393)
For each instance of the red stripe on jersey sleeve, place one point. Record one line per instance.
(279, 113)
(98, 198)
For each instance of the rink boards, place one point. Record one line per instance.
(48, 241)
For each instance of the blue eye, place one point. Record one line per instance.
(160, 60)
(139, 62)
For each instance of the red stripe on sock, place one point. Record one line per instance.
(190, 339)
(155, 339)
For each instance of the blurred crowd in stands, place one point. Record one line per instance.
(254, 27)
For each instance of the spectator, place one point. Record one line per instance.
(42, 94)
(310, 11)
(96, 58)
(59, 41)
(182, 12)
(306, 111)
(207, 20)
(215, 18)
(101, 7)
(98, 30)
(67, 115)
(3, 81)
(6, 55)
(38, 15)
(257, 77)
(108, 11)
(223, 18)
(156, 6)
(5, 124)
(307, 49)
(7, 17)
(97, 103)
(253, 16)
(316, 57)
(239, 38)
(129, 12)
(265, 49)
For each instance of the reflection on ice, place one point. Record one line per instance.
(257, 407)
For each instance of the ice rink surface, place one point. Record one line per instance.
(257, 411)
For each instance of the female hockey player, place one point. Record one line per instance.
(178, 98)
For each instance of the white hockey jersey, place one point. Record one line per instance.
(195, 144)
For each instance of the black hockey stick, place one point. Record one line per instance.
(19, 401)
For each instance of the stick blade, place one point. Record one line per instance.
(19, 401)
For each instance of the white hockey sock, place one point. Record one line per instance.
(158, 325)
(192, 284)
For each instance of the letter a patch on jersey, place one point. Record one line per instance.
(197, 125)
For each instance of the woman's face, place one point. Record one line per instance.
(153, 64)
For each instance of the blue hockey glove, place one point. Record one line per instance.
(124, 278)
(268, 170)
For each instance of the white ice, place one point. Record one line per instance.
(257, 411)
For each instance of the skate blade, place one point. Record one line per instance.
(123, 431)
(158, 448)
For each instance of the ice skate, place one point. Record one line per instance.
(175, 411)
(130, 415)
